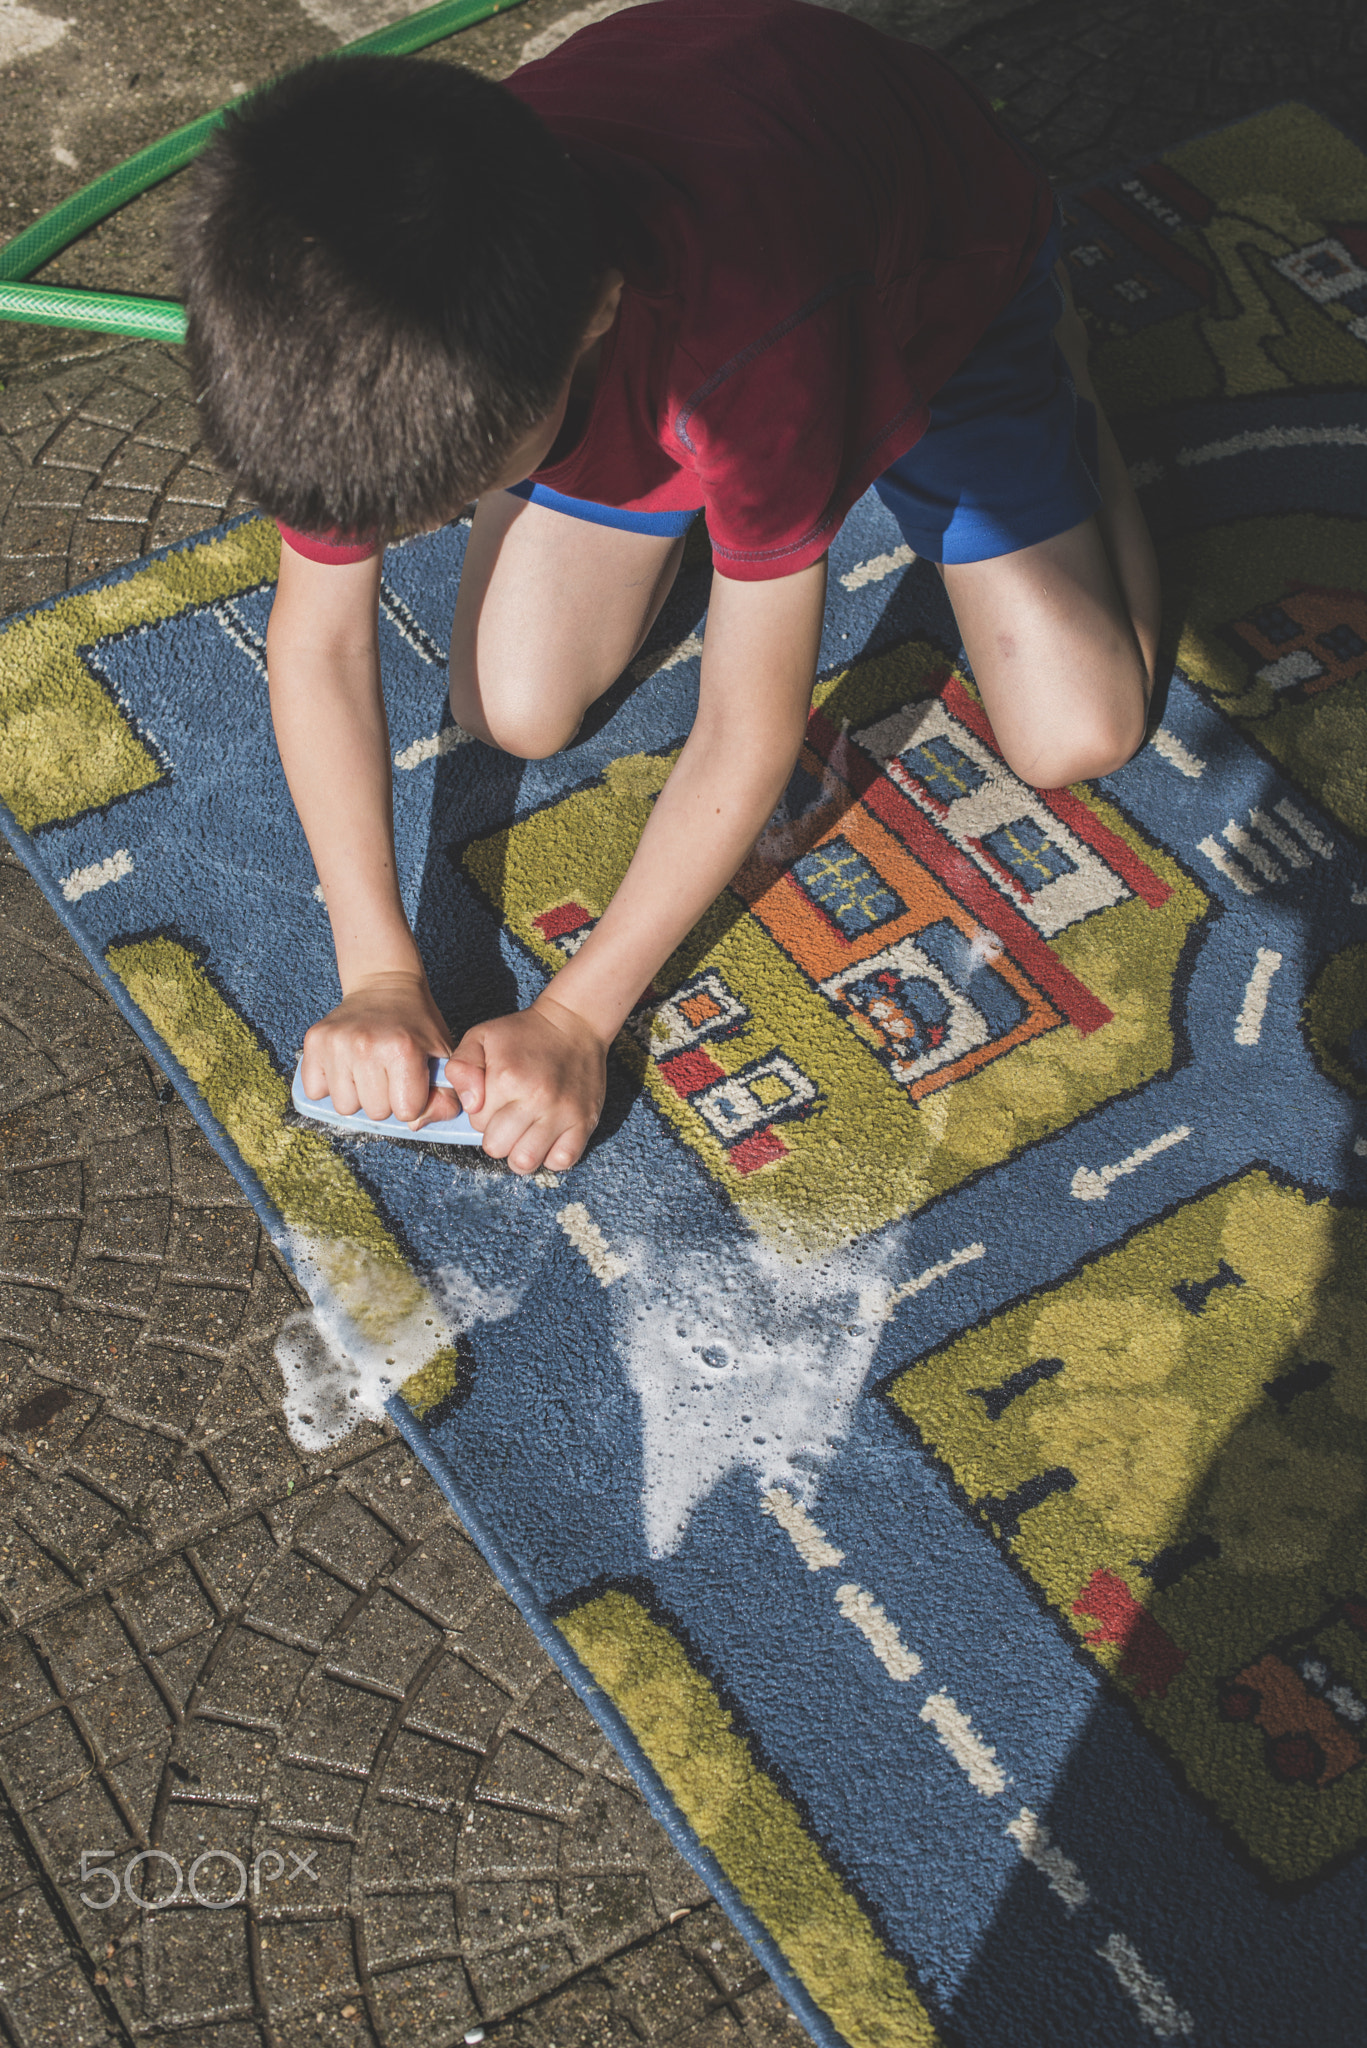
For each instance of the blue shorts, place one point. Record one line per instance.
(1009, 457)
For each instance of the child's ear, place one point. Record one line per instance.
(605, 312)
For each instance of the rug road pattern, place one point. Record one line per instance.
(954, 1343)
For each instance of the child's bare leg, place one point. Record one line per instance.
(1055, 655)
(1124, 532)
(1062, 636)
(550, 611)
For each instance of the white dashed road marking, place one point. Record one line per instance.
(808, 1541)
(874, 571)
(1248, 1028)
(83, 880)
(671, 657)
(1158, 2008)
(881, 1635)
(432, 746)
(975, 1758)
(1036, 1845)
(589, 1241)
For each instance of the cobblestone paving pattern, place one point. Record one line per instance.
(208, 1643)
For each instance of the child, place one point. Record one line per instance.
(743, 256)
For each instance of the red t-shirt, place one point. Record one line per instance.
(816, 224)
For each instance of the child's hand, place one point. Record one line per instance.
(532, 1084)
(371, 1052)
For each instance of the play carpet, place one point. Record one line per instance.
(931, 1425)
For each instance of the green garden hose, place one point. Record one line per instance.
(45, 305)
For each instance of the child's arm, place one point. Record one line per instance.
(533, 1083)
(323, 657)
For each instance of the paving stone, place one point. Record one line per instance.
(386, 1643)
(499, 1842)
(234, 1558)
(498, 1642)
(221, 1243)
(126, 1714)
(404, 1928)
(315, 1799)
(29, 1580)
(339, 1724)
(255, 1679)
(298, 1876)
(130, 1463)
(521, 1774)
(60, 2011)
(251, 1460)
(446, 1577)
(31, 1941)
(43, 1416)
(25, 1688)
(167, 1603)
(423, 2006)
(207, 1316)
(85, 1644)
(197, 1964)
(400, 1492)
(428, 1773)
(767, 2020)
(116, 404)
(460, 1705)
(300, 1599)
(215, 1760)
(72, 1822)
(307, 1961)
(339, 1532)
(517, 1975)
(178, 1669)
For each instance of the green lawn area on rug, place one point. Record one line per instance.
(930, 1425)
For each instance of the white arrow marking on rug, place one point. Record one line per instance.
(1158, 2008)
(1273, 437)
(672, 657)
(810, 1543)
(589, 1241)
(1248, 1028)
(975, 1758)
(1229, 867)
(963, 1257)
(1359, 896)
(1036, 1845)
(1298, 822)
(875, 570)
(1176, 755)
(83, 880)
(1360, 1147)
(1091, 1185)
(881, 1635)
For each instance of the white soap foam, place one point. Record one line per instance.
(740, 1358)
(371, 1326)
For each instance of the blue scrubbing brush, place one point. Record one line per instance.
(454, 1130)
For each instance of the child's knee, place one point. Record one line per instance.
(1089, 747)
(518, 725)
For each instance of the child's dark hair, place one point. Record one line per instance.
(389, 265)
